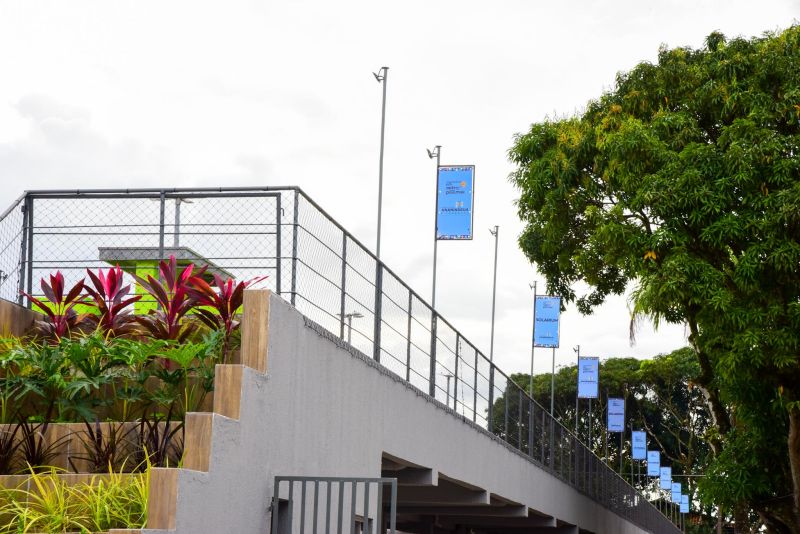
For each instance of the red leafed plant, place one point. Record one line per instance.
(171, 293)
(223, 299)
(109, 296)
(59, 308)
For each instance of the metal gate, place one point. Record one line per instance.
(334, 505)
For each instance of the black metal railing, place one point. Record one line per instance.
(327, 274)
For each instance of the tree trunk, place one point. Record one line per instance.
(794, 462)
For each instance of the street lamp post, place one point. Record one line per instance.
(382, 77)
(496, 234)
(350, 316)
(435, 153)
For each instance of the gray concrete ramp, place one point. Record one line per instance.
(323, 409)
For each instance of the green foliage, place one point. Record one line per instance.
(684, 181)
(51, 505)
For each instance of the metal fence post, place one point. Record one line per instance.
(343, 288)
(29, 264)
(294, 245)
(432, 378)
(475, 389)
(408, 338)
(490, 422)
(455, 372)
(162, 207)
(376, 350)
(23, 254)
(279, 255)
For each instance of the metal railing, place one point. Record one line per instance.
(327, 274)
(334, 505)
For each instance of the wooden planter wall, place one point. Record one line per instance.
(226, 399)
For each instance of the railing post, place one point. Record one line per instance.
(432, 378)
(295, 217)
(23, 254)
(490, 422)
(279, 254)
(376, 350)
(343, 288)
(29, 265)
(455, 372)
(475, 389)
(162, 207)
(408, 337)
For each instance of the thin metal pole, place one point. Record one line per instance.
(578, 368)
(496, 234)
(533, 335)
(553, 385)
(437, 153)
(382, 78)
(349, 327)
(161, 227)
(23, 254)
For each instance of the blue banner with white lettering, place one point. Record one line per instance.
(454, 202)
(653, 463)
(546, 318)
(666, 478)
(588, 375)
(616, 415)
(684, 504)
(676, 492)
(639, 441)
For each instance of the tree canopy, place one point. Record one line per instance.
(683, 182)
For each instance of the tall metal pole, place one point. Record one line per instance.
(381, 76)
(435, 153)
(577, 350)
(496, 234)
(533, 334)
(553, 385)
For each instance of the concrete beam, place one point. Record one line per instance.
(414, 476)
(465, 511)
(536, 530)
(492, 523)
(446, 494)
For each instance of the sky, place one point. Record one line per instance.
(196, 93)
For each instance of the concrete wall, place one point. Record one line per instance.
(325, 410)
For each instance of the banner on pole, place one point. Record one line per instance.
(666, 478)
(616, 415)
(676, 492)
(588, 374)
(546, 323)
(653, 463)
(684, 504)
(454, 202)
(639, 441)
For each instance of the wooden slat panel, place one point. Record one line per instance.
(228, 390)
(197, 444)
(163, 499)
(14, 319)
(255, 331)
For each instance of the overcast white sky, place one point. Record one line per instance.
(196, 93)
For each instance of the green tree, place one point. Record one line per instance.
(684, 181)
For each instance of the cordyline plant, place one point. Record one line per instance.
(59, 307)
(224, 299)
(173, 298)
(109, 295)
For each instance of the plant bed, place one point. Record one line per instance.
(58, 502)
(94, 385)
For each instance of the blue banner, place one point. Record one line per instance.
(547, 312)
(454, 202)
(676, 492)
(653, 463)
(684, 504)
(666, 478)
(639, 441)
(616, 415)
(588, 374)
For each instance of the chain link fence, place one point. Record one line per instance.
(327, 274)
